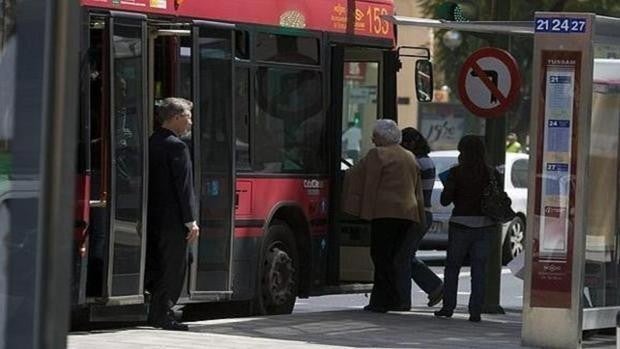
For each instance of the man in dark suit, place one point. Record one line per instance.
(171, 212)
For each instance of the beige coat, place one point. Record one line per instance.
(386, 183)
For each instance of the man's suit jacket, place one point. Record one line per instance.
(171, 201)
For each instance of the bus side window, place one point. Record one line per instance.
(289, 125)
(242, 118)
(242, 44)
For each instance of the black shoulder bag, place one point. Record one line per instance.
(495, 202)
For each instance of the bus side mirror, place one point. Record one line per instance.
(424, 80)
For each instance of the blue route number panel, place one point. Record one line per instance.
(560, 25)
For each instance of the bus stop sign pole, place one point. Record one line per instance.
(557, 199)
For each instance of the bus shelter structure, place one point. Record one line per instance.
(572, 252)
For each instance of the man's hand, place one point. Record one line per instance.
(193, 234)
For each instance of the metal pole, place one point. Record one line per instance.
(23, 245)
(495, 130)
(43, 153)
(58, 199)
(495, 135)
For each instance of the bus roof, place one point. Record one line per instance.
(365, 19)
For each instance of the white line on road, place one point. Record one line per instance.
(468, 273)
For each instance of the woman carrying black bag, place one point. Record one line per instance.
(470, 229)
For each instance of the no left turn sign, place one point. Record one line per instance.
(489, 82)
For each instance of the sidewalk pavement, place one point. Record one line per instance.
(333, 329)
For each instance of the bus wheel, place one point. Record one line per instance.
(278, 272)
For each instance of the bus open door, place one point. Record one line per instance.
(367, 78)
(118, 233)
(195, 62)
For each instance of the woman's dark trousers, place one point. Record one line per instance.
(462, 241)
(390, 250)
(421, 274)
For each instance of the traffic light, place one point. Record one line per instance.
(458, 11)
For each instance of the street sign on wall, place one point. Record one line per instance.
(489, 82)
(444, 124)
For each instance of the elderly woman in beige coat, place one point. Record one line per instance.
(385, 188)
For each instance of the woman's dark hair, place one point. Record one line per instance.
(420, 145)
(473, 154)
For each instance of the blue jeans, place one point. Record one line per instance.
(476, 242)
(421, 274)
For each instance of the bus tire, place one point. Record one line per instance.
(278, 271)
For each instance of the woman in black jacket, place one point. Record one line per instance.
(470, 230)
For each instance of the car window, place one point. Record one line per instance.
(443, 163)
(518, 175)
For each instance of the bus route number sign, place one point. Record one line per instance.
(560, 25)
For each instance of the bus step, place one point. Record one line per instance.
(122, 313)
(342, 289)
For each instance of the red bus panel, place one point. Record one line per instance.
(82, 211)
(258, 197)
(324, 15)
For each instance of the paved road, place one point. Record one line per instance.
(511, 294)
(328, 329)
(337, 322)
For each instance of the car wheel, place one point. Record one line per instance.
(514, 240)
(277, 279)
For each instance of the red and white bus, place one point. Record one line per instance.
(274, 84)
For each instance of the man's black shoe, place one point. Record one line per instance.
(375, 309)
(474, 318)
(443, 313)
(173, 325)
(153, 323)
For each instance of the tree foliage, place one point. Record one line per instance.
(449, 61)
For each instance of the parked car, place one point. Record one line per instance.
(515, 184)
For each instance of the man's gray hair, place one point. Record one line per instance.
(173, 106)
(386, 132)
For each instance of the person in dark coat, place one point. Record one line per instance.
(470, 229)
(171, 212)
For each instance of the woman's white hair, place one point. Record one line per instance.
(386, 132)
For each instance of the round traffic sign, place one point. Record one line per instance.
(489, 82)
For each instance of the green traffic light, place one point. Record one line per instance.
(446, 10)
(457, 11)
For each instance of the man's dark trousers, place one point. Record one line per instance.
(166, 265)
(171, 205)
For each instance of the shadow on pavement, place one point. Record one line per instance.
(348, 328)
(356, 328)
